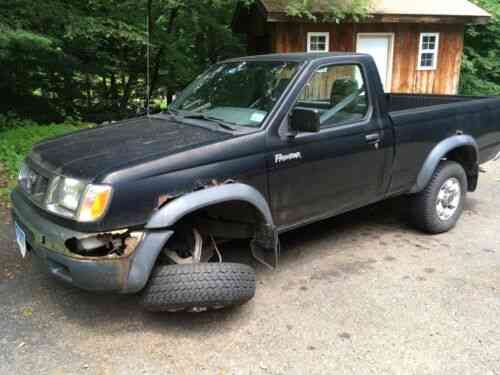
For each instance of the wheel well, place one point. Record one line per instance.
(236, 220)
(227, 220)
(466, 156)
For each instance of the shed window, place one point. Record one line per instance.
(428, 52)
(318, 42)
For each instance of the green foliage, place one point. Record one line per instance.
(331, 10)
(87, 59)
(481, 64)
(17, 139)
(9, 121)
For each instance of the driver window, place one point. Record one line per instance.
(338, 92)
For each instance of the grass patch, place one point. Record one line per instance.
(16, 143)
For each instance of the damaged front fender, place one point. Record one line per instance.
(144, 259)
(172, 212)
(265, 244)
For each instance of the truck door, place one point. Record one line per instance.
(342, 167)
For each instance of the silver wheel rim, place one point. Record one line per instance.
(448, 199)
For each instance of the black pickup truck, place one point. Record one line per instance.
(255, 147)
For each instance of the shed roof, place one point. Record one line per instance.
(429, 8)
(455, 8)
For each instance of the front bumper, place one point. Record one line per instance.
(46, 241)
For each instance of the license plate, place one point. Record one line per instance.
(21, 240)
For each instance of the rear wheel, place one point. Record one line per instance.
(439, 206)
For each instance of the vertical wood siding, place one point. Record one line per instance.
(406, 78)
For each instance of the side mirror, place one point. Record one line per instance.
(305, 121)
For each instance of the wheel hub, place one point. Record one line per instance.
(448, 199)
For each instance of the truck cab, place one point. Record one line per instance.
(345, 163)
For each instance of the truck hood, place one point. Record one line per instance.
(91, 153)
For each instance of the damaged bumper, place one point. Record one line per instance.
(47, 241)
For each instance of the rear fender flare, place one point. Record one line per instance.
(437, 154)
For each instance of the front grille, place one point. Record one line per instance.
(35, 185)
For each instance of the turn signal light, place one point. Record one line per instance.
(95, 203)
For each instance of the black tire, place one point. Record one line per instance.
(424, 213)
(198, 287)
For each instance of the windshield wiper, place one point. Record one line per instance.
(199, 116)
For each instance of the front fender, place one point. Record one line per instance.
(144, 260)
(437, 154)
(265, 244)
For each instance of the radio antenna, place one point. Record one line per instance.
(148, 58)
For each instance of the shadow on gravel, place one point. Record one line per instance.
(368, 223)
(110, 313)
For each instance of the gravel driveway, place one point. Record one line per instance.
(360, 294)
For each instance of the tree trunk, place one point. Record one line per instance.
(157, 60)
(127, 89)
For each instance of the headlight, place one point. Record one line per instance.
(75, 199)
(95, 202)
(23, 173)
(70, 193)
(26, 179)
(64, 196)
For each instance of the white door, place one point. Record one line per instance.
(380, 46)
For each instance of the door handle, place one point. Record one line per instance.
(373, 139)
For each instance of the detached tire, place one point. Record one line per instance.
(198, 287)
(439, 206)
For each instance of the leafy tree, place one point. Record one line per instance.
(63, 57)
(86, 59)
(481, 65)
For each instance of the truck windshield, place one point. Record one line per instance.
(239, 94)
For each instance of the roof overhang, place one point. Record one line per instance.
(392, 18)
(391, 11)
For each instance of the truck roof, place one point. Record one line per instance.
(295, 57)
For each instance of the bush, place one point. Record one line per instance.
(9, 121)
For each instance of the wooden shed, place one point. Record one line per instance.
(417, 44)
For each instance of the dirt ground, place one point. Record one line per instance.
(363, 293)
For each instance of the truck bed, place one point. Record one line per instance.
(423, 121)
(402, 102)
